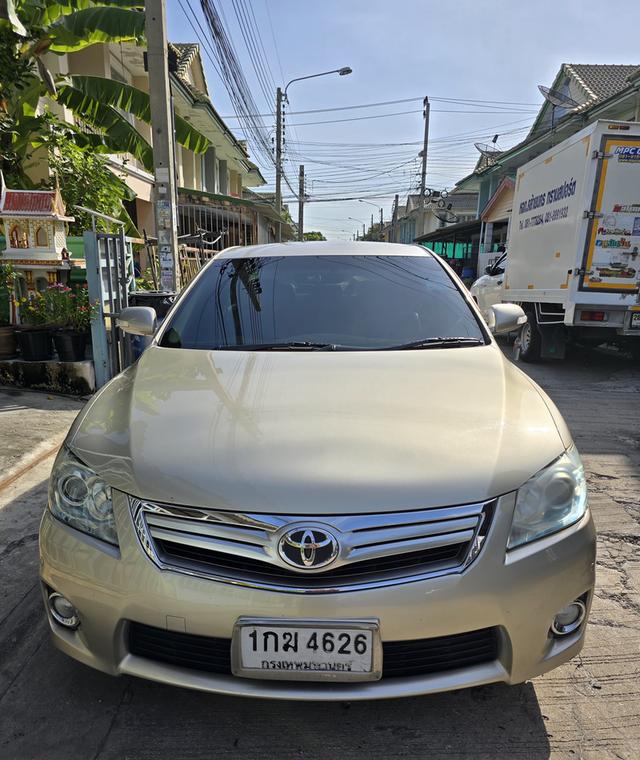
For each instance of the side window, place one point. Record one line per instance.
(42, 239)
(18, 237)
(499, 266)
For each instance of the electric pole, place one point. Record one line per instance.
(381, 222)
(301, 203)
(279, 100)
(166, 215)
(394, 218)
(423, 179)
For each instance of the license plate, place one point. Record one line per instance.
(635, 321)
(307, 650)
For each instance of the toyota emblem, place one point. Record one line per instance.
(308, 548)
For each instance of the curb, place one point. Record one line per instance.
(41, 452)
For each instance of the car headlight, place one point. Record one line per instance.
(81, 498)
(552, 499)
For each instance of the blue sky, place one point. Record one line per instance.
(481, 51)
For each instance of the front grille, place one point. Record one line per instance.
(443, 557)
(374, 549)
(400, 659)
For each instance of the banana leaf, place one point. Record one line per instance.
(101, 116)
(82, 28)
(135, 101)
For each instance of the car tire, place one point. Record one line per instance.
(530, 341)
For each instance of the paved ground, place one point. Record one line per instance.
(31, 425)
(54, 708)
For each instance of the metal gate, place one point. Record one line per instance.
(110, 278)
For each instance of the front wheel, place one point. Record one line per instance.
(530, 342)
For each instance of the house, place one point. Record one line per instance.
(495, 219)
(415, 219)
(211, 186)
(602, 91)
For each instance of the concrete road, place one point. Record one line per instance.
(54, 708)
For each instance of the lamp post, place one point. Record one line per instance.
(380, 209)
(281, 97)
(364, 224)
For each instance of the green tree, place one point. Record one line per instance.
(313, 236)
(31, 28)
(86, 180)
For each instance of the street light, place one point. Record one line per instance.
(364, 224)
(281, 95)
(380, 209)
(375, 205)
(341, 72)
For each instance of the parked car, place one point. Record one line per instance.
(488, 290)
(322, 480)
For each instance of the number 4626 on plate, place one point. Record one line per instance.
(307, 650)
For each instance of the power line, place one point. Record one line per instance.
(497, 104)
(397, 113)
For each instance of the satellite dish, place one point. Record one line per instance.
(489, 151)
(557, 98)
(446, 216)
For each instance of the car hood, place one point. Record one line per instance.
(318, 432)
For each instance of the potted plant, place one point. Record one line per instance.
(7, 331)
(73, 312)
(34, 335)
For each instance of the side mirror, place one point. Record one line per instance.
(488, 269)
(137, 320)
(505, 318)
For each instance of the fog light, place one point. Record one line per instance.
(63, 611)
(569, 619)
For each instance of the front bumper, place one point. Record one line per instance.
(518, 593)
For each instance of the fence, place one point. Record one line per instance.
(110, 278)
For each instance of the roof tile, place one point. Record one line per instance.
(44, 203)
(601, 81)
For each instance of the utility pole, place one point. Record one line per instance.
(425, 145)
(394, 218)
(279, 102)
(363, 231)
(166, 215)
(281, 98)
(381, 222)
(301, 203)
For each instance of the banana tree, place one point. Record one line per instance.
(33, 28)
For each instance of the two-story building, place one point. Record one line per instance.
(211, 186)
(601, 91)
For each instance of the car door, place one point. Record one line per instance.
(488, 289)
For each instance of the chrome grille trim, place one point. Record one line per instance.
(362, 538)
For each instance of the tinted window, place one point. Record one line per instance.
(358, 302)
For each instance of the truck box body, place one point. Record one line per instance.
(574, 238)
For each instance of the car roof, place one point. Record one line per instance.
(324, 248)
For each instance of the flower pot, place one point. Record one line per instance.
(70, 345)
(35, 345)
(7, 342)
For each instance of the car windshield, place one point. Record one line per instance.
(323, 302)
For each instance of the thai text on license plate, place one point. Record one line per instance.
(305, 652)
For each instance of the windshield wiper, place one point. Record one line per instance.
(292, 345)
(436, 343)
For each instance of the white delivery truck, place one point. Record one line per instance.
(573, 255)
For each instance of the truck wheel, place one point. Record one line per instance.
(530, 342)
